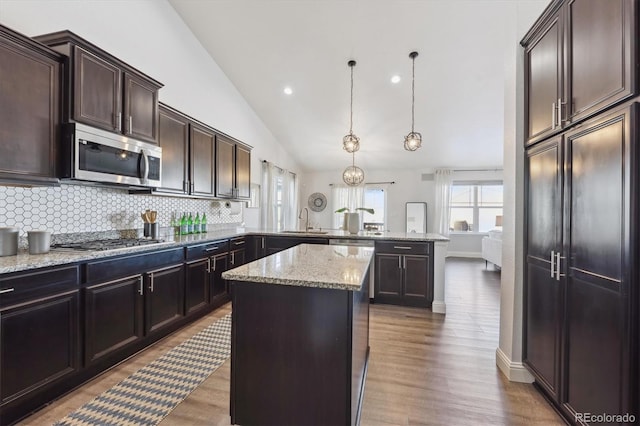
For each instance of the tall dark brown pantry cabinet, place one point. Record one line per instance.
(582, 208)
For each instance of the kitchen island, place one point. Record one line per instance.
(300, 336)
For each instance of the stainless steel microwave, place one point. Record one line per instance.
(95, 155)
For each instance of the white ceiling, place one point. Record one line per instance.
(265, 45)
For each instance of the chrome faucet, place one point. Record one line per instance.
(306, 225)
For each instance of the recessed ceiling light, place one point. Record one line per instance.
(288, 90)
(395, 79)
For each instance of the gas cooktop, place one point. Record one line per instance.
(110, 244)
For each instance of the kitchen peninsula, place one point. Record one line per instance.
(300, 336)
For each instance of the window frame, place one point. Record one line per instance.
(475, 228)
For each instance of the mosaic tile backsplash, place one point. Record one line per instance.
(76, 208)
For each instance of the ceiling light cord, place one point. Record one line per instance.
(413, 91)
(351, 104)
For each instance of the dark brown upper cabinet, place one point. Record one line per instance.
(173, 137)
(233, 169)
(29, 109)
(203, 160)
(580, 59)
(198, 161)
(104, 91)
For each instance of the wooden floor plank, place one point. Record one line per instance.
(425, 368)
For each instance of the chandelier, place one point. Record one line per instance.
(353, 175)
(413, 140)
(351, 143)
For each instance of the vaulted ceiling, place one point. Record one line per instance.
(265, 45)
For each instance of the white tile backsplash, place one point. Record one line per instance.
(80, 208)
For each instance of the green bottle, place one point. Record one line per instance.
(203, 223)
(196, 224)
(190, 224)
(183, 224)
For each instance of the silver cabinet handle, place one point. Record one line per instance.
(211, 248)
(209, 265)
(559, 120)
(558, 274)
(402, 247)
(553, 263)
(399, 262)
(233, 257)
(151, 281)
(130, 124)
(239, 243)
(262, 242)
(119, 121)
(7, 290)
(553, 115)
(404, 258)
(141, 285)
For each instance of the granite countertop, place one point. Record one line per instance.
(25, 261)
(309, 265)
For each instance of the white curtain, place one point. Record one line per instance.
(279, 192)
(444, 178)
(350, 197)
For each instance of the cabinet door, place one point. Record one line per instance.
(197, 285)
(243, 172)
(140, 108)
(113, 316)
(29, 112)
(225, 167)
(417, 287)
(601, 40)
(218, 285)
(97, 91)
(203, 157)
(237, 258)
(164, 298)
(173, 137)
(39, 344)
(543, 70)
(597, 261)
(388, 280)
(543, 293)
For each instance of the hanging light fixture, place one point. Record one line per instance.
(351, 143)
(413, 140)
(353, 175)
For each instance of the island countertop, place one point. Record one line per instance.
(309, 265)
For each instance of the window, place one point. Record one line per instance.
(373, 197)
(279, 192)
(475, 205)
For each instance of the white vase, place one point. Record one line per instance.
(354, 223)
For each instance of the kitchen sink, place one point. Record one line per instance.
(305, 232)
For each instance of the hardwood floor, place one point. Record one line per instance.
(424, 368)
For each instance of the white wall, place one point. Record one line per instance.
(408, 186)
(151, 36)
(509, 351)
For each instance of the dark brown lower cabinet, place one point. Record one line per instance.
(309, 371)
(217, 285)
(581, 275)
(164, 297)
(197, 285)
(403, 273)
(114, 316)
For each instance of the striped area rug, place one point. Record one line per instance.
(149, 394)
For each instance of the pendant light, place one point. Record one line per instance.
(353, 175)
(413, 140)
(351, 143)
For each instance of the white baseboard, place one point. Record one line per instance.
(514, 371)
(471, 254)
(438, 307)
